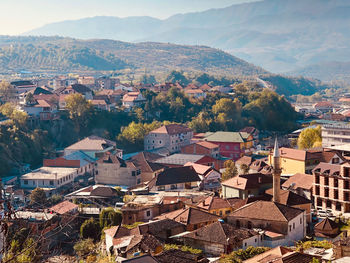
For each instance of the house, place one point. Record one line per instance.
(42, 109)
(149, 169)
(342, 248)
(202, 147)
(221, 238)
(161, 229)
(49, 178)
(331, 187)
(243, 186)
(127, 246)
(231, 144)
(180, 159)
(146, 207)
(133, 99)
(289, 198)
(79, 159)
(175, 178)
(105, 82)
(323, 106)
(171, 137)
(335, 134)
(141, 259)
(64, 208)
(300, 184)
(282, 255)
(177, 255)
(195, 93)
(327, 229)
(301, 161)
(257, 166)
(216, 205)
(282, 225)
(112, 170)
(76, 89)
(210, 178)
(243, 164)
(192, 218)
(99, 104)
(252, 131)
(94, 146)
(95, 194)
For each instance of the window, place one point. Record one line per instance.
(317, 179)
(326, 192)
(335, 182)
(290, 228)
(25, 181)
(161, 188)
(293, 225)
(227, 147)
(148, 213)
(301, 220)
(346, 185)
(220, 213)
(51, 182)
(317, 190)
(173, 186)
(336, 195)
(326, 181)
(133, 173)
(160, 141)
(256, 240)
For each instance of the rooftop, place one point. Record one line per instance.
(92, 143)
(172, 129)
(51, 173)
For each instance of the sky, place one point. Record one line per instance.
(19, 16)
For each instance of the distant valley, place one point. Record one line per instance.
(278, 35)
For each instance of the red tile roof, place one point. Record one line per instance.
(63, 207)
(213, 203)
(299, 180)
(172, 129)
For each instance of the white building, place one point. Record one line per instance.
(335, 134)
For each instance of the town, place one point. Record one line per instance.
(180, 192)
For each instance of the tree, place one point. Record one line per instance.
(148, 79)
(18, 117)
(177, 76)
(29, 99)
(230, 170)
(7, 92)
(90, 229)
(84, 247)
(38, 197)
(110, 217)
(80, 110)
(244, 168)
(310, 138)
(228, 113)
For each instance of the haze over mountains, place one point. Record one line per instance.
(278, 35)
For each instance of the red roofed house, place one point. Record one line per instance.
(171, 137)
(44, 109)
(202, 147)
(300, 184)
(323, 106)
(242, 186)
(195, 93)
(209, 176)
(133, 99)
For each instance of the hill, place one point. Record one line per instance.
(327, 71)
(298, 33)
(67, 54)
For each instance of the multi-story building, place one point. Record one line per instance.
(335, 134)
(231, 144)
(303, 161)
(331, 187)
(171, 137)
(202, 147)
(49, 178)
(133, 99)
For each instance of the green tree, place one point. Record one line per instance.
(90, 229)
(177, 76)
(84, 247)
(80, 110)
(7, 92)
(230, 170)
(228, 113)
(29, 99)
(18, 117)
(38, 197)
(56, 198)
(110, 217)
(310, 138)
(133, 135)
(148, 79)
(244, 168)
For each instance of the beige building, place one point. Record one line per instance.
(170, 137)
(49, 178)
(113, 170)
(334, 135)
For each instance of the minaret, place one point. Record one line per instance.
(276, 164)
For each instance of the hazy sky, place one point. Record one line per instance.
(18, 16)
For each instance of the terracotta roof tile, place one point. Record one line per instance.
(248, 181)
(303, 181)
(63, 207)
(213, 202)
(172, 129)
(289, 198)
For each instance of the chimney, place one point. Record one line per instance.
(276, 173)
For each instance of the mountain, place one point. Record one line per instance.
(327, 71)
(279, 35)
(67, 54)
